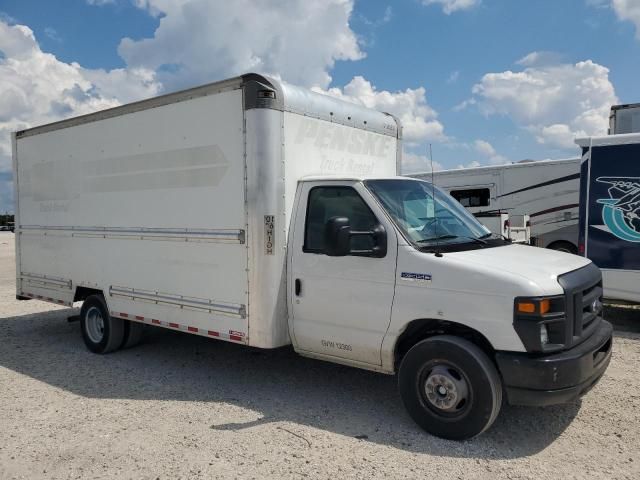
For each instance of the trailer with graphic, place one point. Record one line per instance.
(610, 211)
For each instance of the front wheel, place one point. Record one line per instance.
(450, 387)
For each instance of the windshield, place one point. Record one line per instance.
(422, 220)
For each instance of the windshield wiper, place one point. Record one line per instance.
(448, 237)
(503, 237)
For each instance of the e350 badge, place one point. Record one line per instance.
(416, 277)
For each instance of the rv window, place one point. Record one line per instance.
(477, 197)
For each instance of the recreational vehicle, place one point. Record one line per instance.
(546, 191)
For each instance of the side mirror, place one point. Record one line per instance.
(337, 237)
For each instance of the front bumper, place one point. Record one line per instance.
(557, 378)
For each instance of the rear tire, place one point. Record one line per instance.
(563, 246)
(450, 387)
(101, 332)
(132, 334)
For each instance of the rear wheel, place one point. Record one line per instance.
(132, 334)
(101, 332)
(450, 387)
(563, 246)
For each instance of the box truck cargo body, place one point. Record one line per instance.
(263, 214)
(201, 183)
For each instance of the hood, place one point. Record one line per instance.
(536, 264)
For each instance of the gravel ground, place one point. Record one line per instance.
(182, 406)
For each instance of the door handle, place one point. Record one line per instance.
(298, 287)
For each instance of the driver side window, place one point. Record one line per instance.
(327, 202)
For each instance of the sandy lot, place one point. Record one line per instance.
(182, 406)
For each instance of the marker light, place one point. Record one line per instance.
(535, 306)
(545, 306)
(526, 307)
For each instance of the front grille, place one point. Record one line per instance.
(583, 292)
(591, 297)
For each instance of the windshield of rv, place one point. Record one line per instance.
(425, 222)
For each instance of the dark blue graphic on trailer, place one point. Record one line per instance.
(621, 210)
(612, 207)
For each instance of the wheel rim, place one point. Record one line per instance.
(445, 389)
(94, 324)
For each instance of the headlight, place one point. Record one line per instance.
(540, 322)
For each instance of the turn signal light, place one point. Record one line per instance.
(526, 307)
(545, 306)
(536, 306)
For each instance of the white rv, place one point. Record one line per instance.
(546, 191)
(258, 213)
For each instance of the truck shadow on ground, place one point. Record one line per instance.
(277, 384)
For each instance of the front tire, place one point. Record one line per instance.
(101, 332)
(450, 387)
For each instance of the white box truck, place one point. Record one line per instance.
(255, 212)
(610, 211)
(546, 191)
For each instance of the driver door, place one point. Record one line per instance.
(341, 306)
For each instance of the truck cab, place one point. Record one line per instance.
(394, 275)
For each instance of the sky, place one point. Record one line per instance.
(483, 81)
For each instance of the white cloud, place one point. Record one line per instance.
(419, 120)
(199, 41)
(472, 164)
(485, 149)
(453, 76)
(464, 104)
(554, 102)
(52, 33)
(544, 58)
(628, 10)
(386, 18)
(37, 88)
(388, 13)
(557, 135)
(100, 3)
(417, 163)
(450, 6)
